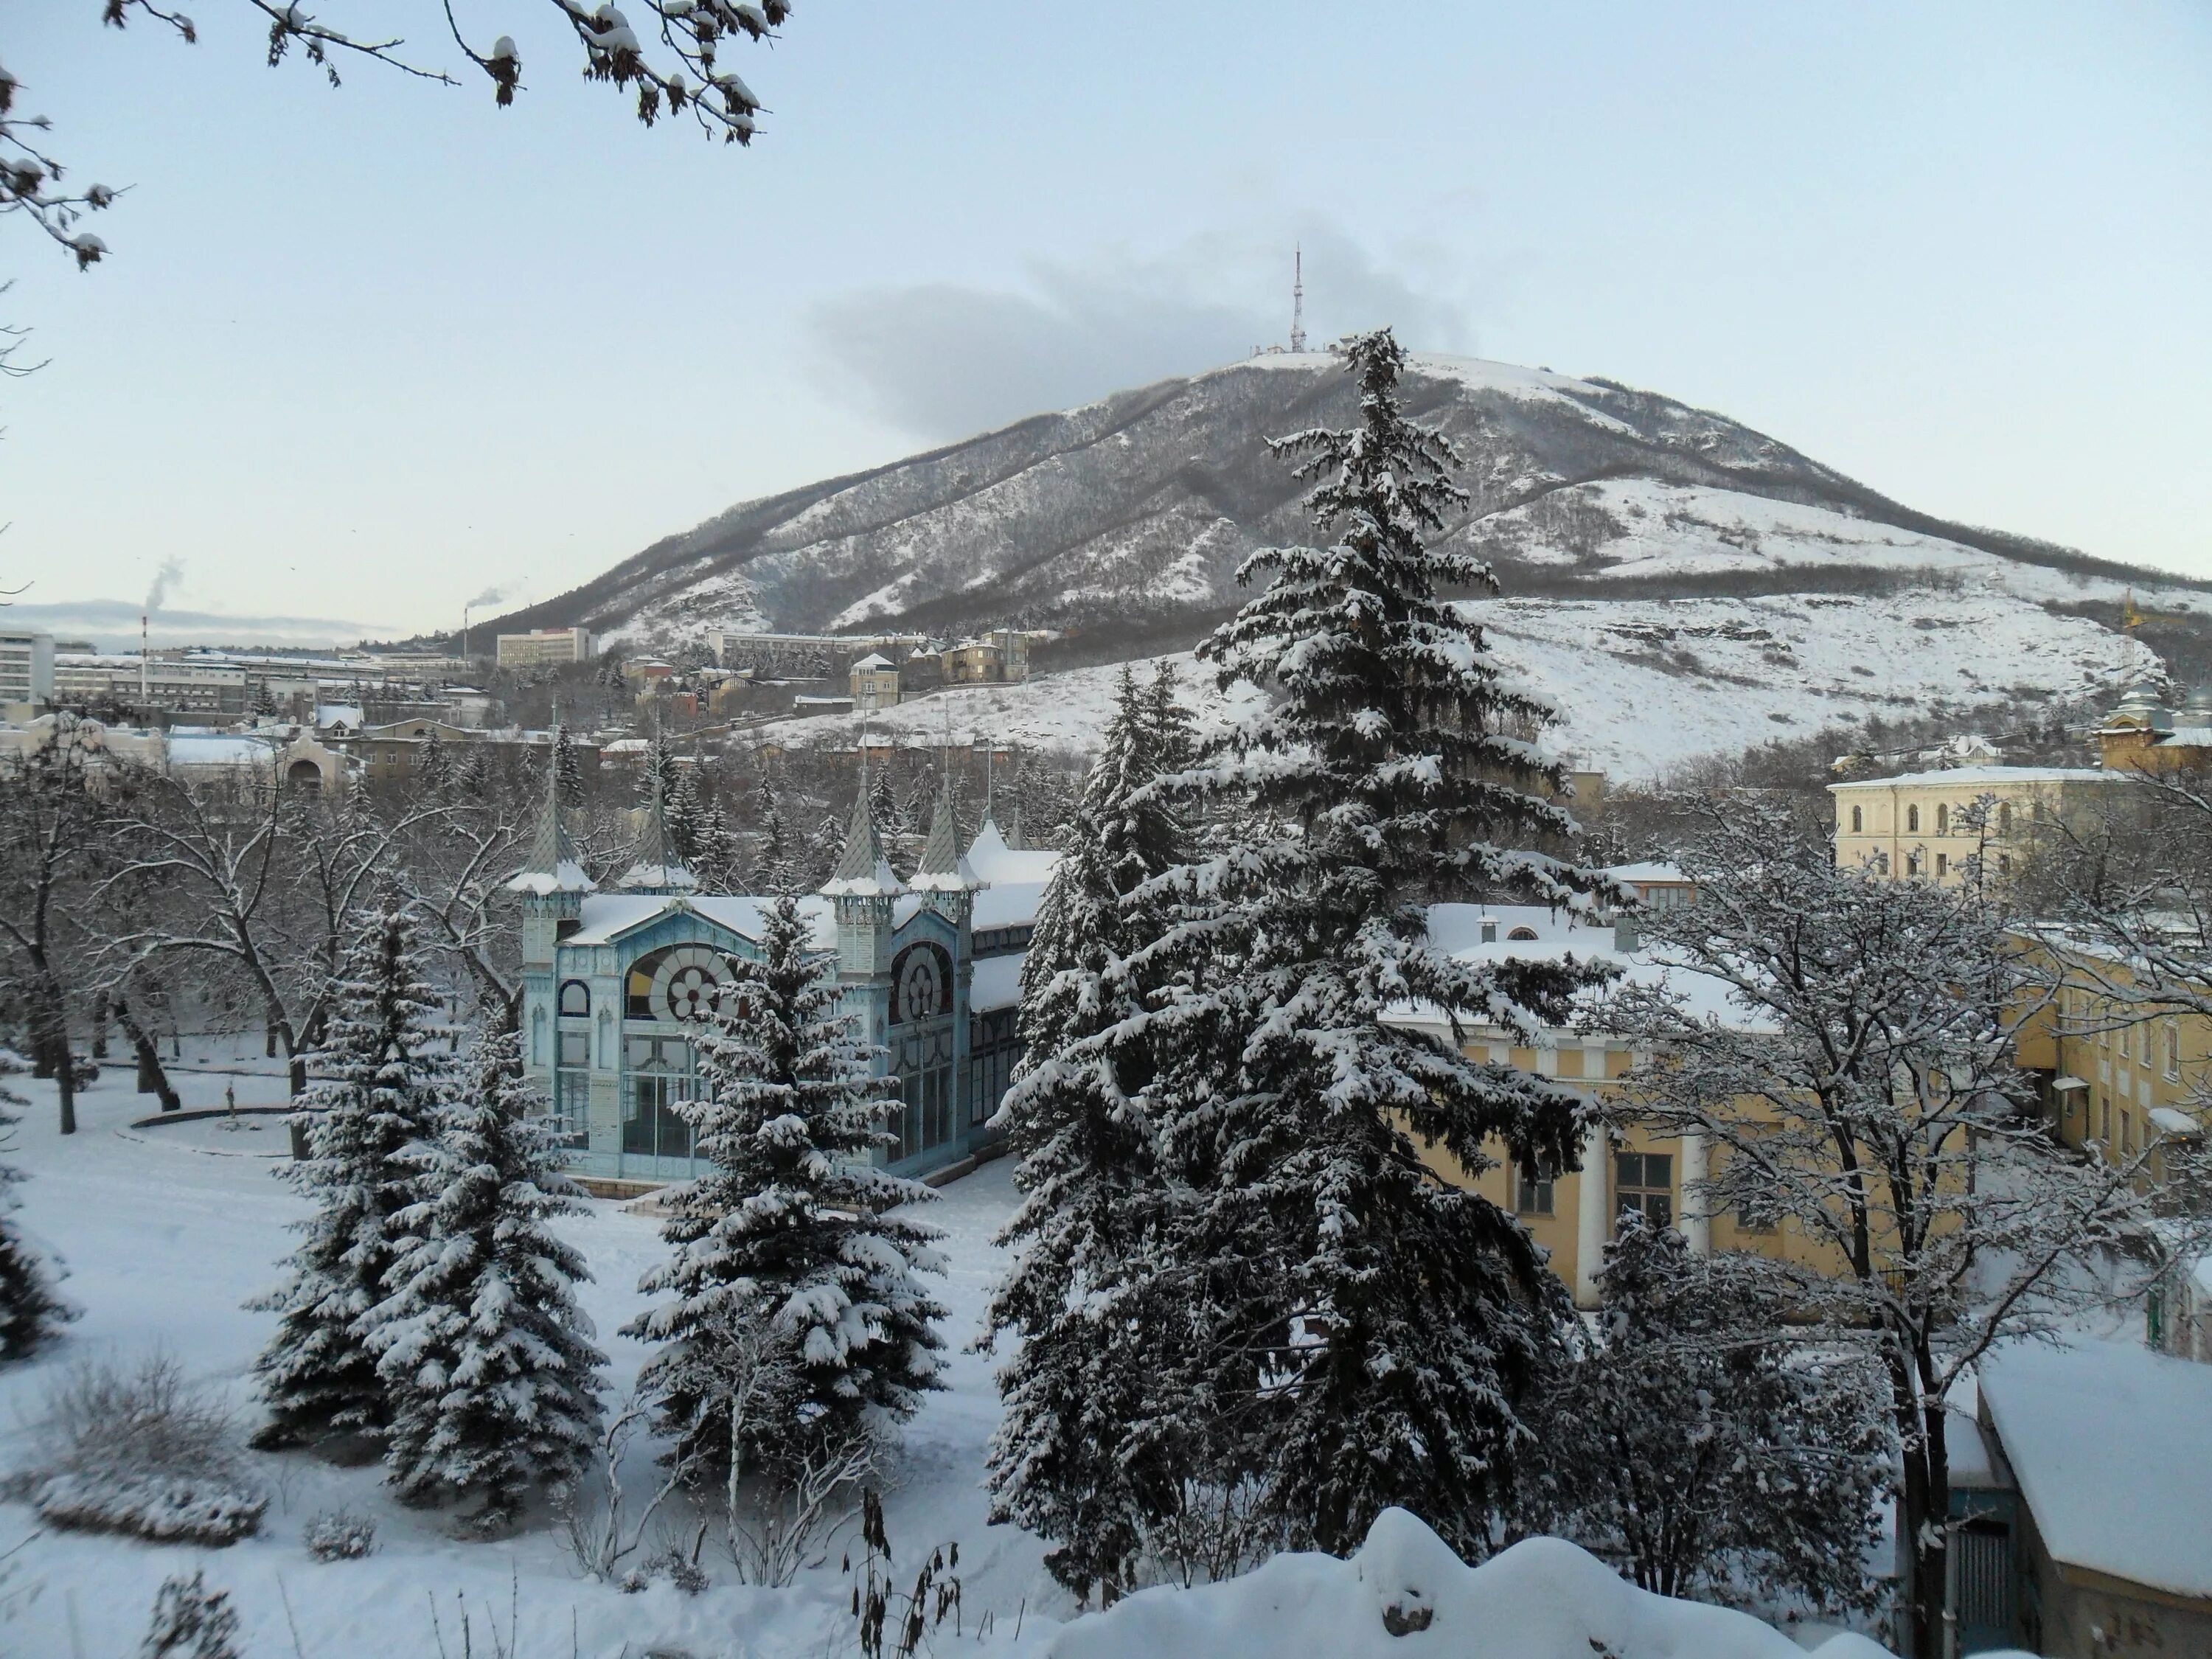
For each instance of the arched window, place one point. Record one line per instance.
(1858, 820)
(1523, 933)
(1943, 818)
(575, 1000)
(1911, 820)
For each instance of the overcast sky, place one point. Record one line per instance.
(370, 352)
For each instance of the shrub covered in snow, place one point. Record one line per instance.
(192, 1621)
(339, 1535)
(672, 1564)
(29, 1309)
(140, 1451)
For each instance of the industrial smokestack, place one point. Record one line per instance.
(145, 675)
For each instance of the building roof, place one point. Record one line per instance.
(1007, 904)
(997, 983)
(207, 750)
(1457, 929)
(995, 861)
(1648, 872)
(2131, 1504)
(1979, 776)
(944, 868)
(605, 917)
(862, 870)
(874, 659)
(553, 866)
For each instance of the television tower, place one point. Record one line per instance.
(1298, 298)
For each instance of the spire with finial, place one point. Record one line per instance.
(944, 867)
(553, 866)
(658, 869)
(863, 872)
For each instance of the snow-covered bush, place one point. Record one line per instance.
(141, 1451)
(339, 1535)
(192, 1621)
(670, 1562)
(1693, 1440)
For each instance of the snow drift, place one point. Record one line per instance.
(1405, 1595)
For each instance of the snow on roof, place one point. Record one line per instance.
(2168, 1121)
(882, 882)
(1008, 904)
(218, 751)
(874, 659)
(1966, 776)
(605, 917)
(1542, 1599)
(997, 983)
(991, 859)
(568, 878)
(2130, 1505)
(1553, 935)
(1650, 870)
(339, 714)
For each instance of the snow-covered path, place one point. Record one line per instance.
(167, 1231)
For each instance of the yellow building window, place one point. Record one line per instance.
(1644, 1183)
(1858, 820)
(1911, 820)
(1531, 1197)
(2172, 1049)
(1942, 819)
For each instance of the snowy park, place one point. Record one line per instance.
(166, 1231)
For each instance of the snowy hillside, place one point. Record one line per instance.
(1140, 508)
(1643, 685)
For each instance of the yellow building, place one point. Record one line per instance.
(2144, 735)
(1921, 824)
(1575, 1217)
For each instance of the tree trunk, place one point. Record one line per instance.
(99, 1026)
(152, 1079)
(269, 1042)
(1922, 1520)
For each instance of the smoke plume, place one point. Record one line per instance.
(171, 573)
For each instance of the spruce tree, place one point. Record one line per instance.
(383, 1074)
(568, 767)
(491, 1373)
(1061, 1464)
(30, 1307)
(1347, 1331)
(784, 1253)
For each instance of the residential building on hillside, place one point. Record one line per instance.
(875, 681)
(544, 647)
(1000, 656)
(807, 656)
(2144, 735)
(27, 666)
(392, 754)
(1922, 825)
(613, 982)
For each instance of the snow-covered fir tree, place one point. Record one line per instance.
(1347, 1331)
(568, 767)
(1061, 1463)
(383, 1076)
(491, 1374)
(786, 1244)
(30, 1306)
(1690, 1436)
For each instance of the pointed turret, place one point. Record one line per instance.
(863, 872)
(658, 869)
(552, 866)
(944, 868)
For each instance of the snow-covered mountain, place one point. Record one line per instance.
(1671, 577)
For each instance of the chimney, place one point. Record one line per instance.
(145, 675)
(1489, 930)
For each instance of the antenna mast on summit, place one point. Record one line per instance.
(1298, 298)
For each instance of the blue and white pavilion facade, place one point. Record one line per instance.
(614, 981)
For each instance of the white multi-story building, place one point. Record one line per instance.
(544, 646)
(26, 667)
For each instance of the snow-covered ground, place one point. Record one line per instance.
(1643, 685)
(167, 1231)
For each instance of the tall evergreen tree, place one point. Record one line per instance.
(383, 1075)
(1348, 1332)
(30, 1307)
(1061, 1463)
(490, 1366)
(785, 1246)
(568, 767)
